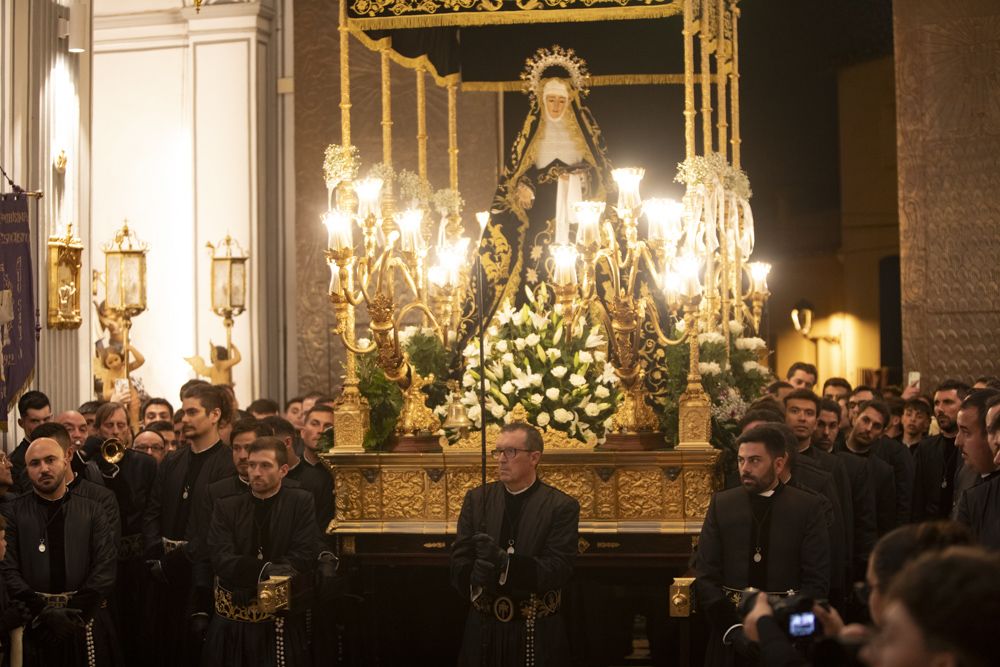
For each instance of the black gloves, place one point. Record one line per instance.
(484, 573)
(328, 584)
(198, 627)
(488, 550)
(743, 645)
(14, 616)
(156, 571)
(61, 623)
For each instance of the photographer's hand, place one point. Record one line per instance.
(830, 619)
(761, 607)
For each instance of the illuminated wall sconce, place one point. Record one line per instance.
(802, 320)
(79, 26)
(65, 254)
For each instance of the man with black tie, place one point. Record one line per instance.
(763, 534)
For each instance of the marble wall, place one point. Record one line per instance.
(947, 55)
(318, 354)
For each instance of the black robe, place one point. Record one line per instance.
(807, 475)
(106, 499)
(899, 458)
(88, 569)
(795, 554)
(316, 479)
(546, 541)
(175, 517)
(936, 462)
(288, 536)
(883, 488)
(18, 470)
(979, 509)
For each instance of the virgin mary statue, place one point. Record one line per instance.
(558, 159)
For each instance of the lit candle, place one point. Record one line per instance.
(588, 217)
(688, 266)
(411, 239)
(665, 219)
(628, 187)
(673, 287)
(338, 230)
(759, 272)
(565, 264)
(368, 190)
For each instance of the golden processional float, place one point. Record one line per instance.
(680, 303)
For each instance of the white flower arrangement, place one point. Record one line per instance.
(750, 344)
(753, 367)
(711, 337)
(556, 374)
(709, 368)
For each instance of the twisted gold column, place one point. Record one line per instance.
(345, 77)
(689, 110)
(721, 66)
(453, 135)
(734, 88)
(706, 80)
(421, 124)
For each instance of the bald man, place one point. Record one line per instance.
(78, 430)
(60, 563)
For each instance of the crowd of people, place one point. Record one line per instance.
(877, 511)
(137, 534)
(141, 534)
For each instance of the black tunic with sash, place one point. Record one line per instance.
(788, 532)
(173, 529)
(247, 534)
(62, 547)
(541, 524)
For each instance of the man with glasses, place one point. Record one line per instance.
(150, 442)
(514, 551)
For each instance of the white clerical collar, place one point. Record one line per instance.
(517, 493)
(767, 494)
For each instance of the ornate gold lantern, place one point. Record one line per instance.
(229, 282)
(65, 254)
(125, 280)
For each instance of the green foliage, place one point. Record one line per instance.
(385, 401)
(428, 357)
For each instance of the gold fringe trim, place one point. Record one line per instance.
(514, 17)
(420, 62)
(17, 394)
(595, 80)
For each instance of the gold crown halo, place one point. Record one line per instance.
(557, 56)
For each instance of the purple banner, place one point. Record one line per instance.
(17, 302)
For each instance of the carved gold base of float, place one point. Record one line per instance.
(633, 442)
(414, 444)
(350, 420)
(619, 492)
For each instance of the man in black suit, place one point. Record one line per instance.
(765, 535)
(936, 458)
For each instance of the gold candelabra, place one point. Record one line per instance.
(392, 263)
(675, 254)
